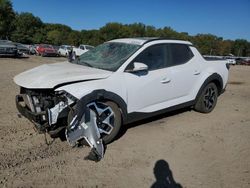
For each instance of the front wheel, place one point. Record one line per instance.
(107, 117)
(207, 99)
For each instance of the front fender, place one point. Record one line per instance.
(86, 95)
(101, 95)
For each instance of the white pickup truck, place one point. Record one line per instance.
(117, 82)
(81, 49)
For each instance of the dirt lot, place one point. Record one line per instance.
(185, 148)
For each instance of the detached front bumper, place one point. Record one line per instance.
(38, 118)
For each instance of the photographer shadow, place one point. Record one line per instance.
(164, 177)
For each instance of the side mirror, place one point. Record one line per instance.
(138, 66)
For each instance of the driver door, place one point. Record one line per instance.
(171, 76)
(147, 89)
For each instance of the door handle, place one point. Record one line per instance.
(165, 80)
(197, 72)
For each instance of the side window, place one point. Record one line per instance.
(82, 47)
(179, 54)
(154, 57)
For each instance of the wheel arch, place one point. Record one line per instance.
(103, 95)
(216, 79)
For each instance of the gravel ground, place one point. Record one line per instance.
(180, 149)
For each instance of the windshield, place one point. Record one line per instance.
(108, 56)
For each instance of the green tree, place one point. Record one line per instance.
(150, 31)
(59, 27)
(184, 36)
(27, 28)
(137, 30)
(7, 16)
(225, 47)
(54, 37)
(111, 31)
(26, 25)
(207, 44)
(92, 37)
(168, 32)
(57, 33)
(40, 36)
(74, 38)
(240, 47)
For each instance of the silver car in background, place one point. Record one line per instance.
(7, 48)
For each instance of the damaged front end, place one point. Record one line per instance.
(46, 109)
(49, 111)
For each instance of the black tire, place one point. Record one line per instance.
(117, 121)
(207, 99)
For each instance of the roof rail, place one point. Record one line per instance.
(162, 38)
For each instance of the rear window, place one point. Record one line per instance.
(179, 54)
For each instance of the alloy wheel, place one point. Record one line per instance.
(209, 98)
(103, 116)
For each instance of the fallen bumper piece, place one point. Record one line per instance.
(86, 129)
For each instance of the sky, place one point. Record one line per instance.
(229, 19)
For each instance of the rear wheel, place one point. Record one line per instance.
(208, 99)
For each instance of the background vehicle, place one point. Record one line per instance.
(118, 82)
(7, 48)
(64, 50)
(46, 50)
(245, 62)
(242, 61)
(231, 61)
(21, 49)
(82, 49)
(56, 47)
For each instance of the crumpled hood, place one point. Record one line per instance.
(50, 75)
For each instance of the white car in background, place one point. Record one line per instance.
(231, 61)
(82, 49)
(118, 82)
(64, 50)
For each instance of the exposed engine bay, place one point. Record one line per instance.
(49, 111)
